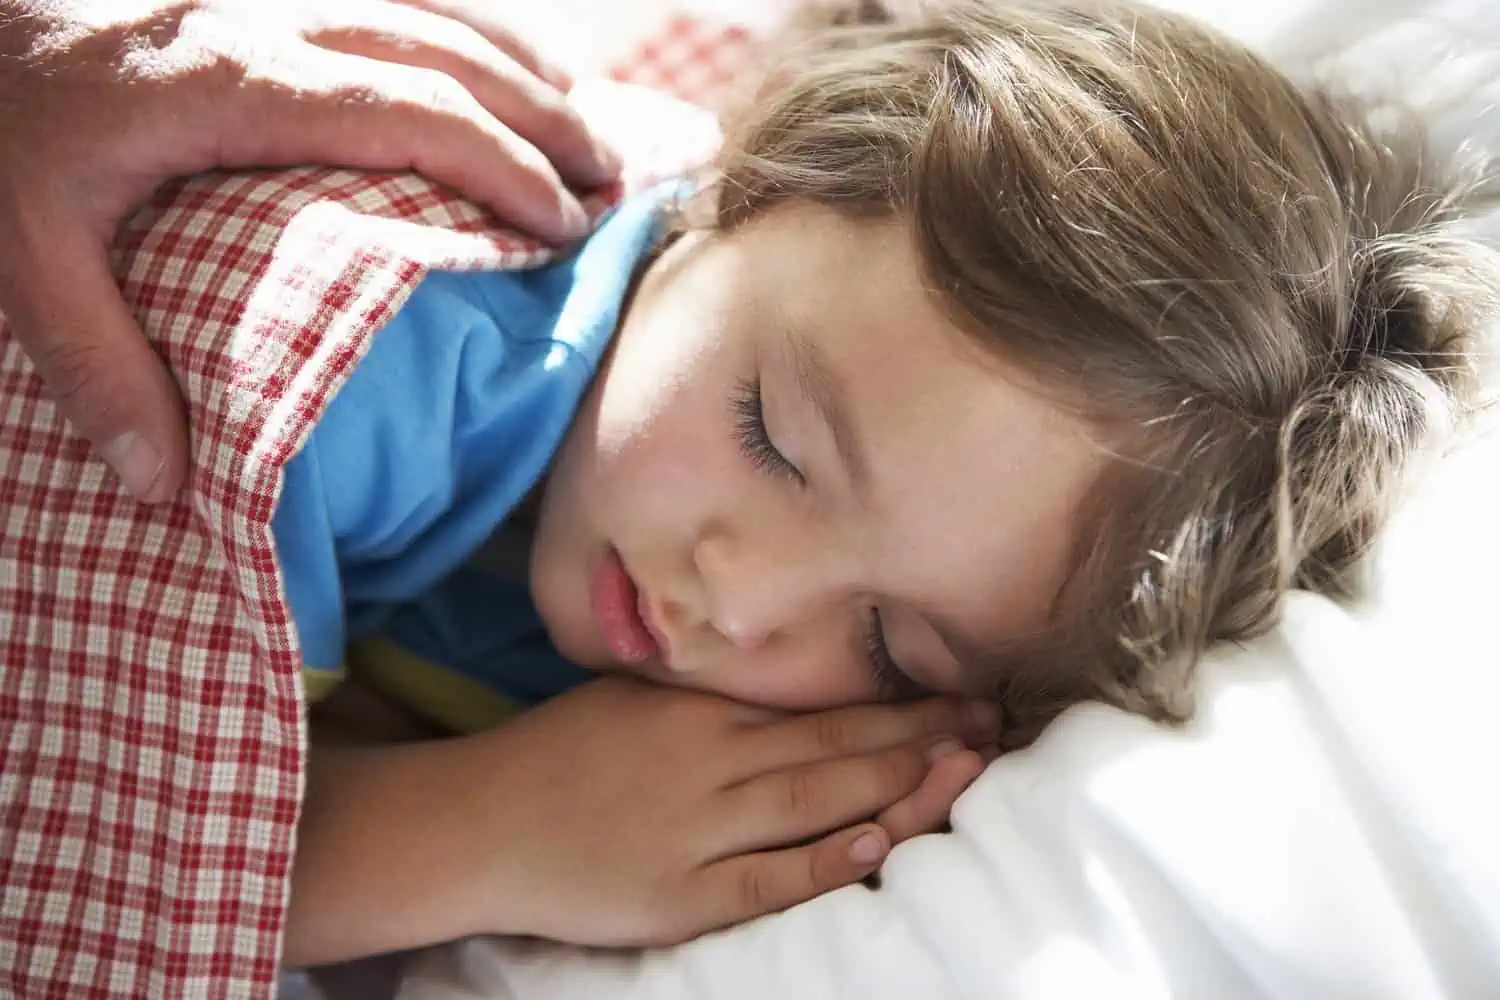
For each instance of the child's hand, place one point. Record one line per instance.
(630, 814)
(620, 813)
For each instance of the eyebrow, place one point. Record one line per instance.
(821, 386)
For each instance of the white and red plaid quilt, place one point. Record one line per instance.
(151, 716)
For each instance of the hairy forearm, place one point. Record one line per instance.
(388, 856)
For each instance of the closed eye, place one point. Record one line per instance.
(754, 439)
(893, 683)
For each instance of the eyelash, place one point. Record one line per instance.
(755, 440)
(893, 683)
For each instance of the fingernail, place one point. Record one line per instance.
(983, 716)
(606, 159)
(867, 850)
(555, 75)
(942, 748)
(575, 220)
(137, 464)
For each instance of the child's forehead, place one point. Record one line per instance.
(856, 286)
(928, 398)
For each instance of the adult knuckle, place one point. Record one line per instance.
(71, 367)
(532, 161)
(423, 91)
(215, 49)
(554, 117)
(81, 379)
(469, 48)
(445, 93)
(525, 55)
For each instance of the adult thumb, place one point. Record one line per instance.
(67, 311)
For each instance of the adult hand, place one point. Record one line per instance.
(621, 813)
(102, 101)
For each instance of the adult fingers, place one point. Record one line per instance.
(953, 770)
(482, 18)
(66, 310)
(750, 885)
(520, 100)
(811, 799)
(394, 117)
(863, 728)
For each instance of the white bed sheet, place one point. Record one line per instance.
(1328, 827)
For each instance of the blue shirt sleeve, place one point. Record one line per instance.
(445, 425)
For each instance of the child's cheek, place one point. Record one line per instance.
(644, 412)
(818, 667)
(671, 447)
(667, 474)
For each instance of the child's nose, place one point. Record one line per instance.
(758, 591)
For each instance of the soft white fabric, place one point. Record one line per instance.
(1327, 828)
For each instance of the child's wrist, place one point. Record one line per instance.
(390, 854)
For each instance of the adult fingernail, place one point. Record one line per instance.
(942, 748)
(867, 849)
(575, 220)
(555, 75)
(138, 465)
(606, 160)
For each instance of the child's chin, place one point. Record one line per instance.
(640, 671)
(576, 649)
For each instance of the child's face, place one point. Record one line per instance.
(678, 544)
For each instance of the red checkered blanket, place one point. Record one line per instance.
(151, 715)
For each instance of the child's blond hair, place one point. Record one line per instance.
(1245, 285)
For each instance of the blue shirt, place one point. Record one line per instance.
(451, 418)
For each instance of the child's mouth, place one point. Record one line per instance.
(615, 601)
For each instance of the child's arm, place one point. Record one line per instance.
(618, 814)
(385, 858)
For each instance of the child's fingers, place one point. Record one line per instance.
(864, 728)
(750, 885)
(808, 800)
(927, 808)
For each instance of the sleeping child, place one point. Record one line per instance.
(1011, 353)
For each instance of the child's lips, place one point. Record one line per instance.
(616, 605)
(647, 613)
